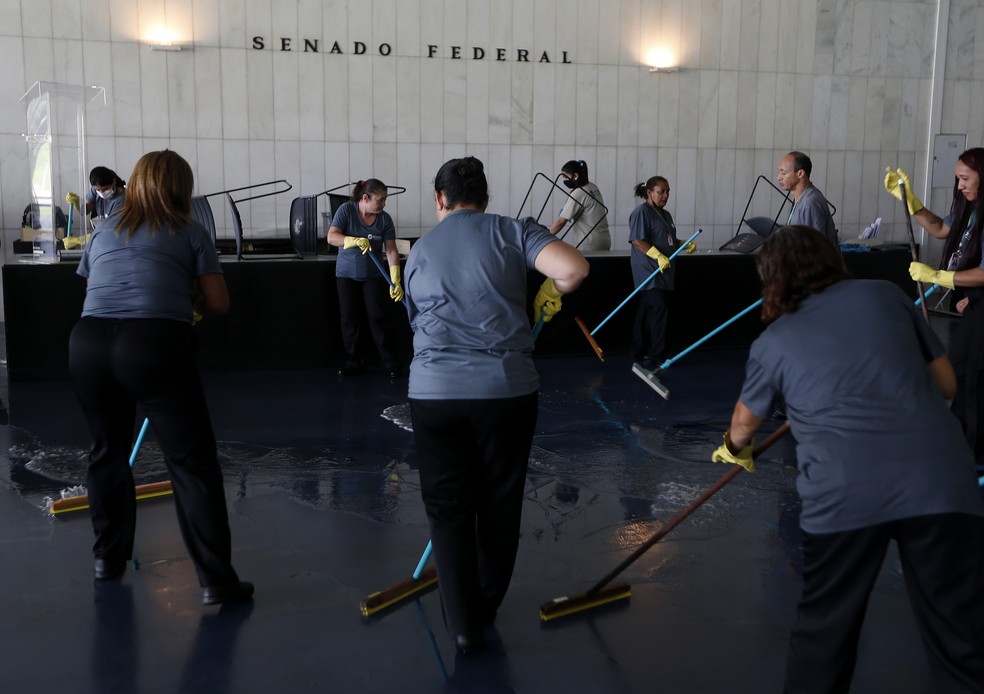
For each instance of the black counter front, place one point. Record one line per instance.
(285, 312)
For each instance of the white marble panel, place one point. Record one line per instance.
(629, 39)
(722, 191)
(667, 122)
(587, 32)
(205, 24)
(337, 164)
(235, 121)
(287, 165)
(360, 160)
(123, 94)
(336, 112)
(872, 191)
(36, 19)
(838, 114)
(181, 107)
(689, 104)
(710, 36)
(232, 25)
(709, 107)
(609, 21)
(207, 87)
(849, 206)
(750, 29)
(860, 48)
(209, 170)
(727, 32)
(10, 10)
(311, 98)
(500, 104)
(825, 36)
(385, 16)
(747, 107)
(260, 95)
(874, 113)
(13, 85)
(587, 104)
(418, 188)
(607, 97)
(978, 64)
(856, 105)
(455, 95)
(384, 163)
(359, 99)
(627, 117)
(768, 44)
(833, 186)
(844, 35)
(565, 105)
(745, 177)
(707, 163)
(15, 183)
(123, 22)
(384, 97)
(520, 175)
(803, 108)
(909, 108)
(408, 101)
(768, 103)
(93, 18)
(68, 61)
(455, 29)
(960, 41)
(647, 98)
(153, 99)
(544, 105)
(685, 188)
(286, 100)
(432, 101)
(821, 111)
(805, 28)
(727, 109)
(892, 115)
(407, 33)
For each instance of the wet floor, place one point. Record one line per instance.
(325, 508)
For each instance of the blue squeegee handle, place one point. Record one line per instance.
(139, 441)
(385, 275)
(711, 334)
(927, 293)
(423, 560)
(646, 281)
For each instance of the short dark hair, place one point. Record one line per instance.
(794, 262)
(462, 182)
(102, 176)
(801, 162)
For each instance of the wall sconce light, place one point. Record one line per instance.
(675, 68)
(165, 46)
(661, 60)
(162, 38)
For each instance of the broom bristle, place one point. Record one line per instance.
(570, 604)
(401, 591)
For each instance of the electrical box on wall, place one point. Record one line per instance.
(946, 150)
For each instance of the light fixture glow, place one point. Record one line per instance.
(160, 38)
(661, 59)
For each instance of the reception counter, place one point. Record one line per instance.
(285, 312)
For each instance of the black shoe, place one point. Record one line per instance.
(469, 643)
(649, 364)
(108, 569)
(213, 595)
(351, 367)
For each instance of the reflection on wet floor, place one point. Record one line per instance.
(325, 508)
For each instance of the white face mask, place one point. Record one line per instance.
(105, 194)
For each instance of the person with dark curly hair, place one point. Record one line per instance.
(880, 458)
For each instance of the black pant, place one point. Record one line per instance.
(652, 319)
(967, 355)
(943, 563)
(114, 365)
(358, 301)
(473, 456)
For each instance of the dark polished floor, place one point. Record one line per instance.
(325, 508)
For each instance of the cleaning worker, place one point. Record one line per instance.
(106, 194)
(962, 269)
(148, 270)
(653, 236)
(361, 226)
(585, 209)
(880, 458)
(473, 386)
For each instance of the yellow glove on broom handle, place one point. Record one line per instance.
(921, 272)
(660, 259)
(359, 242)
(892, 179)
(547, 302)
(725, 453)
(396, 290)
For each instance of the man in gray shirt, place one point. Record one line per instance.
(810, 207)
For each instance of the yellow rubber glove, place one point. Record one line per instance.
(547, 301)
(690, 248)
(892, 179)
(72, 199)
(744, 458)
(396, 291)
(663, 261)
(359, 242)
(921, 272)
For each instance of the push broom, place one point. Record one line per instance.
(142, 491)
(649, 377)
(601, 593)
(912, 248)
(589, 334)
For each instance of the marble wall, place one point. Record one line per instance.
(847, 81)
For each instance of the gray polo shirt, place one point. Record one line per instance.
(466, 296)
(351, 263)
(148, 275)
(875, 439)
(812, 210)
(654, 226)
